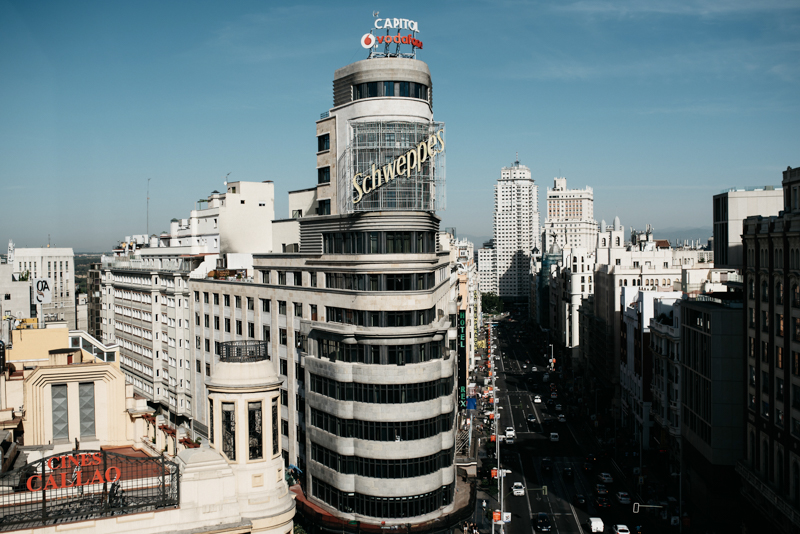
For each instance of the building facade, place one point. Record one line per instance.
(731, 208)
(570, 216)
(770, 471)
(57, 266)
(516, 231)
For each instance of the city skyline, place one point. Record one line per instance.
(656, 106)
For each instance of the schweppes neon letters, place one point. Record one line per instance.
(401, 166)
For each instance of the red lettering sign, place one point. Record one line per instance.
(67, 480)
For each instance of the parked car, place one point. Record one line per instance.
(602, 502)
(601, 489)
(579, 500)
(542, 522)
(623, 497)
(605, 478)
(518, 489)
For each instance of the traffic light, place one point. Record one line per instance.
(636, 508)
(494, 472)
(544, 490)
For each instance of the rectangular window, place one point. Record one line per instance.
(216, 322)
(255, 429)
(282, 307)
(205, 297)
(238, 301)
(265, 333)
(60, 412)
(86, 408)
(226, 299)
(313, 279)
(298, 309)
(208, 369)
(227, 325)
(265, 305)
(323, 175)
(216, 299)
(198, 366)
(779, 357)
(210, 420)
(238, 327)
(284, 367)
(324, 207)
(323, 142)
(251, 330)
(275, 437)
(281, 278)
(251, 303)
(229, 430)
(283, 336)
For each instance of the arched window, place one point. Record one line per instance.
(764, 291)
(617, 241)
(779, 293)
(751, 289)
(626, 281)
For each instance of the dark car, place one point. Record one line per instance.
(591, 457)
(600, 489)
(542, 522)
(602, 502)
(547, 463)
(567, 472)
(579, 500)
(587, 467)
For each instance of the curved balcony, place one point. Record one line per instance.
(247, 351)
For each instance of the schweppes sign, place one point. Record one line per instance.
(401, 166)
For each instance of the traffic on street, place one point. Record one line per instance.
(551, 477)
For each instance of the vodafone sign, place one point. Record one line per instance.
(368, 40)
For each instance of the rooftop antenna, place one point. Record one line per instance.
(517, 160)
(148, 208)
(226, 178)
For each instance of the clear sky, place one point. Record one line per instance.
(657, 105)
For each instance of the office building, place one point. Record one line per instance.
(57, 266)
(770, 471)
(516, 232)
(731, 208)
(569, 219)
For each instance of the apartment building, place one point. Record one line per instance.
(569, 219)
(57, 266)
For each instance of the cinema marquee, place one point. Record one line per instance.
(86, 484)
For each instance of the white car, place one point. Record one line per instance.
(510, 432)
(623, 497)
(561, 418)
(518, 489)
(605, 478)
(534, 368)
(537, 399)
(621, 529)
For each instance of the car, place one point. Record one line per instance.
(600, 489)
(553, 436)
(605, 478)
(524, 366)
(587, 466)
(545, 377)
(547, 463)
(567, 472)
(550, 402)
(553, 394)
(579, 500)
(623, 497)
(510, 432)
(534, 368)
(602, 502)
(558, 407)
(531, 418)
(591, 457)
(537, 399)
(518, 489)
(562, 418)
(542, 522)
(621, 529)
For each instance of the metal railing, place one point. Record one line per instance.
(243, 351)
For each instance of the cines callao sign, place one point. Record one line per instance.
(401, 166)
(65, 479)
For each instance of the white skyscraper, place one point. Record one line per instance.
(516, 229)
(570, 217)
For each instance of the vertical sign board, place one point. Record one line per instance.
(462, 360)
(42, 292)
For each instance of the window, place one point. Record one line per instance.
(206, 320)
(313, 279)
(227, 301)
(284, 367)
(229, 430)
(227, 325)
(250, 303)
(779, 389)
(779, 357)
(282, 307)
(324, 207)
(210, 419)
(216, 299)
(205, 297)
(265, 305)
(238, 327)
(323, 175)
(208, 345)
(298, 309)
(198, 366)
(86, 408)
(238, 301)
(275, 437)
(282, 334)
(779, 324)
(282, 278)
(323, 142)
(255, 427)
(208, 369)
(251, 330)
(265, 333)
(60, 412)
(197, 296)
(216, 322)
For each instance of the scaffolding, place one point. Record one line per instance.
(381, 143)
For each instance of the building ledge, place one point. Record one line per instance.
(764, 497)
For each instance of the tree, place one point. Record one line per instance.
(491, 303)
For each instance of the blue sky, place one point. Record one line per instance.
(657, 105)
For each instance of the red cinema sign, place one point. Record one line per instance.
(72, 475)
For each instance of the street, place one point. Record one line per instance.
(572, 468)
